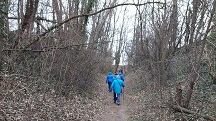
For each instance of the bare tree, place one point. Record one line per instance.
(167, 34)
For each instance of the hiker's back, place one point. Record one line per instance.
(121, 76)
(109, 77)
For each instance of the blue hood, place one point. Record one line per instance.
(109, 77)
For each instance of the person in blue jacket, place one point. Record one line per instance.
(109, 80)
(121, 75)
(116, 86)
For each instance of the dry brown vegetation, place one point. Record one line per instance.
(54, 57)
(149, 102)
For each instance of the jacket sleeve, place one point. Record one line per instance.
(123, 84)
(111, 87)
(122, 77)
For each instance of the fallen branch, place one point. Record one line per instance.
(184, 110)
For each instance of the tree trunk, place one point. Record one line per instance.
(178, 97)
(117, 60)
(3, 27)
(173, 25)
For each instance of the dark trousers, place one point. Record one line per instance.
(115, 97)
(109, 84)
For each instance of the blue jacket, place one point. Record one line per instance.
(121, 76)
(116, 85)
(109, 77)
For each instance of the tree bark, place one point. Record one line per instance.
(4, 28)
(178, 97)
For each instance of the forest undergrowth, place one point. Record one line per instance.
(150, 103)
(24, 102)
(21, 100)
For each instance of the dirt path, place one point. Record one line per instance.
(113, 112)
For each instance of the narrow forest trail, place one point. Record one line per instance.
(113, 112)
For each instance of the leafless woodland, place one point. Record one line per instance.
(54, 51)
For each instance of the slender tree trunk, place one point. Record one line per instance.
(117, 60)
(1, 47)
(174, 25)
(4, 28)
(57, 8)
